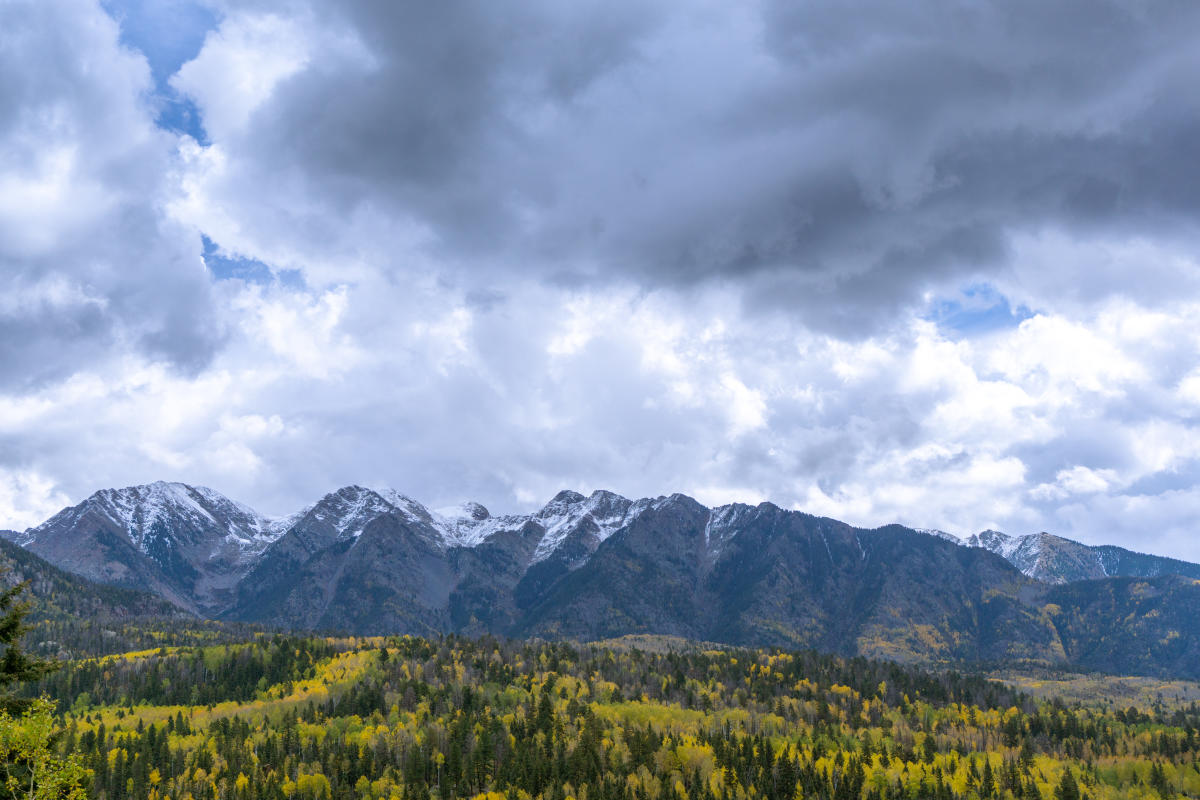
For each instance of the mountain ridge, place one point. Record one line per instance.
(1056, 559)
(470, 523)
(377, 561)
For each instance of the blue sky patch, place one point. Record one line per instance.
(180, 115)
(169, 33)
(977, 310)
(246, 269)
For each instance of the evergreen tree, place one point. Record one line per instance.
(16, 666)
(1068, 788)
(987, 786)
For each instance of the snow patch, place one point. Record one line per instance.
(999, 543)
(466, 530)
(722, 526)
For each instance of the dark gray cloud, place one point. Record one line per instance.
(846, 157)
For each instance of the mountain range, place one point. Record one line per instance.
(368, 561)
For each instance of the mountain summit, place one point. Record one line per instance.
(189, 544)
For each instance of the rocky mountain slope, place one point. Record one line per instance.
(1054, 559)
(188, 544)
(598, 566)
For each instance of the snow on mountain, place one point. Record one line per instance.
(1041, 555)
(999, 543)
(273, 528)
(150, 512)
(214, 556)
(723, 524)
(351, 508)
(189, 544)
(568, 510)
(23, 538)
(162, 517)
(466, 511)
(470, 524)
(1053, 559)
(949, 537)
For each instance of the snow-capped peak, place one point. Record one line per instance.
(274, 527)
(165, 515)
(999, 543)
(349, 510)
(722, 525)
(463, 511)
(469, 524)
(567, 510)
(165, 511)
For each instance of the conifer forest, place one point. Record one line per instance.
(308, 718)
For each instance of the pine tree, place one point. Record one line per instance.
(16, 666)
(1068, 788)
(987, 787)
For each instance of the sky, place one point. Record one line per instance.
(932, 262)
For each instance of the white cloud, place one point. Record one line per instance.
(546, 388)
(302, 331)
(239, 67)
(746, 408)
(1075, 481)
(27, 498)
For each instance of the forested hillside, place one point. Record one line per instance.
(72, 617)
(482, 718)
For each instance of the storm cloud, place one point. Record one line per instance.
(840, 158)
